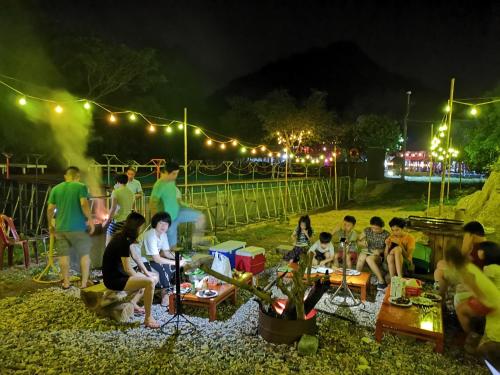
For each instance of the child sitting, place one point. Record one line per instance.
(302, 239)
(323, 250)
(485, 299)
(346, 237)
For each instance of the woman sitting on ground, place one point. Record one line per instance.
(118, 273)
(399, 248)
(160, 258)
(372, 243)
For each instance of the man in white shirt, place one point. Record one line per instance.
(133, 184)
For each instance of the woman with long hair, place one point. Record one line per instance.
(117, 271)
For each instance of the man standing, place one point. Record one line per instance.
(68, 203)
(164, 197)
(133, 184)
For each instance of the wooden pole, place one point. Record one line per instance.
(443, 168)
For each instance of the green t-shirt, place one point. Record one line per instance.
(69, 215)
(125, 200)
(166, 194)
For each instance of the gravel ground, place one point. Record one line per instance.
(50, 332)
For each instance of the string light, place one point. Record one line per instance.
(168, 129)
(197, 131)
(132, 117)
(87, 105)
(22, 101)
(222, 146)
(180, 126)
(473, 111)
(234, 142)
(263, 148)
(270, 154)
(447, 108)
(253, 151)
(112, 118)
(152, 129)
(58, 109)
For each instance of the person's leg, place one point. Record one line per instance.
(372, 262)
(391, 264)
(361, 261)
(348, 261)
(439, 277)
(140, 281)
(464, 313)
(85, 269)
(398, 259)
(188, 215)
(64, 264)
(172, 233)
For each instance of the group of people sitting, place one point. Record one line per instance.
(374, 246)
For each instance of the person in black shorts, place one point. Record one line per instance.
(117, 271)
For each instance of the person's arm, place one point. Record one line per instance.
(127, 267)
(161, 260)
(51, 209)
(388, 243)
(112, 211)
(362, 240)
(138, 260)
(84, 203)
(294, 235)
(467, 244)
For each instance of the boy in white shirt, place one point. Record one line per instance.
(323, 250)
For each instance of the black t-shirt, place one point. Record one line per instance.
(112, 267)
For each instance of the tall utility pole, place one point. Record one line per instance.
(405, 134)
(448, 133)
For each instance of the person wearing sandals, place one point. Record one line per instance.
(122, 201)
(158, 253)
(117, 271)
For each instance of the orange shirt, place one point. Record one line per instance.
(407, 241)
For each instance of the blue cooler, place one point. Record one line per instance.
(228, 249)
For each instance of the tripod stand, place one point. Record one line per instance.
(343, 288)
(176, 320)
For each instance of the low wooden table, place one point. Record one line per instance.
(411, 321)
(225, 291)
(360, 281)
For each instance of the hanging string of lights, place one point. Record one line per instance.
(154, 123)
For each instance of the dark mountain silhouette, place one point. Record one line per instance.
(355, 85)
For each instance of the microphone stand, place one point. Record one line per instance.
(178, 317)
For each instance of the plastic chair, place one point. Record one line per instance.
(6, 242)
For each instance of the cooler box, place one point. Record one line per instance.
(422, 258)
(228, 249)
(251, 259)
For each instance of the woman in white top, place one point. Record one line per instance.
(158, 252)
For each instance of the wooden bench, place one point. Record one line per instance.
(108, 303)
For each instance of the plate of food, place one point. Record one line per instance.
(322, 269)
(401, 301)
(432, 296)
(422, 301)
(348, 272)
(185, 288)
(209, 293)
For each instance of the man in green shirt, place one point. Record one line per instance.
(69, 205)
(164, 197)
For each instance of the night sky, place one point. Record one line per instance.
(429, 41)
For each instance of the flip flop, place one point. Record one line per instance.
(151, 325)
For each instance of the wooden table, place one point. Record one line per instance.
(360, 281)
(225, 291)
(411, 321)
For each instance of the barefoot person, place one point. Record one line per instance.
(117, 271)
(70, 200)
(372, 243)
(399, 248)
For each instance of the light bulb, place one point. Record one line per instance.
(197, 131)
(168, 129)
(222, 146)
(209, 142)
(152, 129)
(112, 118)
(58, 109)
(132, 117)
(86, 105)
(22, 101)
(473, 111)
(180, 126)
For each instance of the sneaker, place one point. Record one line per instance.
(472, 342)
(381, 286)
